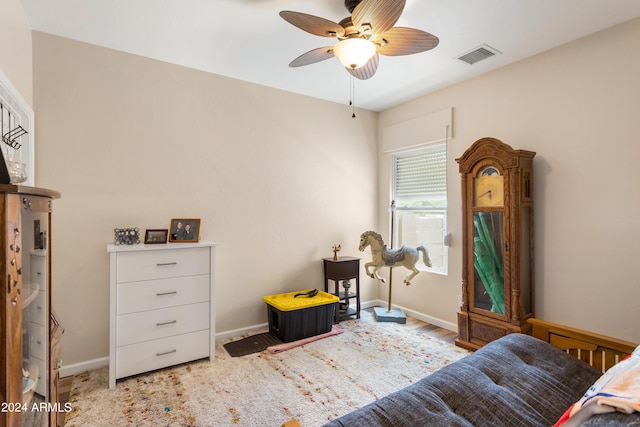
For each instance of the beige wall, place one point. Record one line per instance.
(577, 107)
(277, 178)
(15, 47)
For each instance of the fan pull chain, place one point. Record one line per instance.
(352, 96)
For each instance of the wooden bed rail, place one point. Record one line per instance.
(597, 350)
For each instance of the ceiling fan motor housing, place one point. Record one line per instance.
(351, 31)
(351, 4)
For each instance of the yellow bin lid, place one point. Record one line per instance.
(288, 301)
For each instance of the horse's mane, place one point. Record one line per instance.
(375, 235)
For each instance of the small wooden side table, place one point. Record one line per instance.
(345, 268)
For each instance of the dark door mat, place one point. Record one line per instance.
(251, 344)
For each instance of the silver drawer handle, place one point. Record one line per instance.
(166, 352)
(159, 294)
(167, 323)
(160, 264)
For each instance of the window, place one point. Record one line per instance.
(420, 192)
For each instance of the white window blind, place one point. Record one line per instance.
(421, 176)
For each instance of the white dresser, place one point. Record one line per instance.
(161, 299)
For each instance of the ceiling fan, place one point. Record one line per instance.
(369, 31)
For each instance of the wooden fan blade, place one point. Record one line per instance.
(367, 70)
(313, 56)
(380, 14)
(313, 24)
(404, 41)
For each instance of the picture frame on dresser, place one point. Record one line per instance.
(185, 230)
(155, 236)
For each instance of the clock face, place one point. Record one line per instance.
(488, 188)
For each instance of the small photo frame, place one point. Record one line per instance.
(154, 236)
(184, 230)
(126, 236)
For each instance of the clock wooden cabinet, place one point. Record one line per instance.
(497, 224)
(29, 343)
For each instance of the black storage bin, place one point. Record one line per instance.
(292, 319)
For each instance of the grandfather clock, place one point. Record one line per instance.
(497, 224)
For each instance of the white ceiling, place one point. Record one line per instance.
(247, 39)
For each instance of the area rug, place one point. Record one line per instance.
(314, 383)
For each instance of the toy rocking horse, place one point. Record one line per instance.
(383, 257)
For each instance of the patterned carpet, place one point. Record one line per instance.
(314, 383)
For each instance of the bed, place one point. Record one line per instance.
(517, 380)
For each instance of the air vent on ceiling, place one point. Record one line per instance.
(478, 54)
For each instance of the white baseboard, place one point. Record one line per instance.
(76, 368)
(242, 331)
(415, 314)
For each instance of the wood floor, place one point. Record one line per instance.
(428, 329)
(424, 327)
(64, 388)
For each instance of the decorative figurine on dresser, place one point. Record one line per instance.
(30, 333)
(497, 226)
(161, 306)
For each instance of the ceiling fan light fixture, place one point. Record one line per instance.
(354, 52)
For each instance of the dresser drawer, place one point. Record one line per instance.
(151, 325)
(149, 265)
(39, 368)
(38, 271)
(37, 309)
(150, 355)
(154, 294)
(38, 341)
